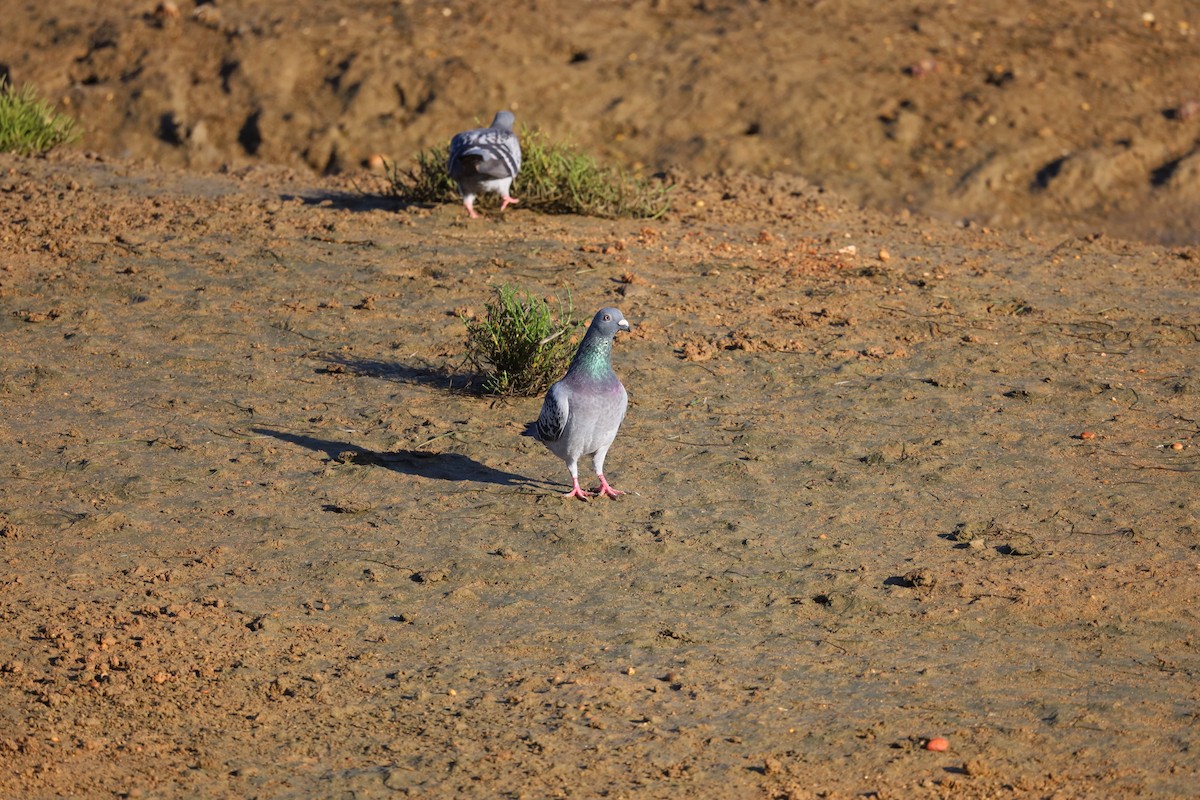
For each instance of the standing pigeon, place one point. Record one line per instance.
(486, 160)
(582, 412)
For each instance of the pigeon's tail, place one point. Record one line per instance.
(479, 163)
(468, 163)
(465, 164)
(531, 430)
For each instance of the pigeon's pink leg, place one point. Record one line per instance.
(608, 490)
(508, 201)
(578, 491)
(470, 204)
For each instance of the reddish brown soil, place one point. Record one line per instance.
(890, 477)
(1082, 116)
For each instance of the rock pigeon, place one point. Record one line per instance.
(486, 160)
(582, 412)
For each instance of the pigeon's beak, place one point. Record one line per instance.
(623, 324)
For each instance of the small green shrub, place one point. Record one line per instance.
(426, 181)
(555, 178)
(29, 125)
(520, 344)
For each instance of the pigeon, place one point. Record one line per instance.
(582, 412)
(486, 160)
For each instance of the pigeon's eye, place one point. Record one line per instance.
(607, 318)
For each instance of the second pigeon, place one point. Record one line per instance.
(486, 160)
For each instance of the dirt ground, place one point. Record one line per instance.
(890, 476)
(1080, 115)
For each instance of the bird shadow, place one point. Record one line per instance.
(421, 463)
(443, 376)
(355, 201)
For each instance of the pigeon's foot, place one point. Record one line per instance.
(607, 490)
(508, 201)
(579, 491)
(471, 209)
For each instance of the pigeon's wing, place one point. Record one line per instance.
(458, 146)
(514, 151)
(488, 152)
(555, 410)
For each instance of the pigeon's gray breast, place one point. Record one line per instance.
(596, 410)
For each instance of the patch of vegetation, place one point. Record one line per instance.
(520, 344)
(426, 181)
(29, 125)
(555, 178)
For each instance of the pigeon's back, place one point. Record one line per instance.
(488, 153)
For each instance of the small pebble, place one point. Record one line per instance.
(937, 744)
(1177, 446)
(1087, 435)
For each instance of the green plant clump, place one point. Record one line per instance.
(555, 179)
(426, 181)
(29, 125)
(520, 344)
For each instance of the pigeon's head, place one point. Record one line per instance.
(504, 120)
(608, 321)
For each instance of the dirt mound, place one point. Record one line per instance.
(1071, 116)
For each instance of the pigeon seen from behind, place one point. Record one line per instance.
(486, 160)
(583, 411)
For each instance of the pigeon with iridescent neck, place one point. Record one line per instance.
(486, 160)
(583, 411)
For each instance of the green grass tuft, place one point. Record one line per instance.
(520, 344)
(426, 181)
(29, 125)
(555, 178)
